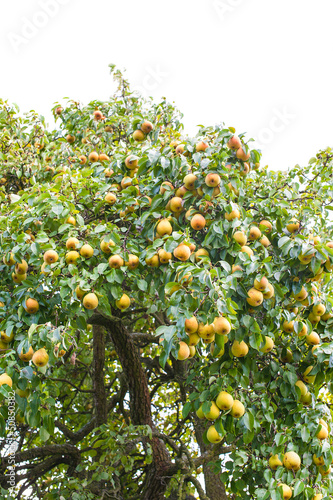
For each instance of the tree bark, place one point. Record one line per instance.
(159, 472)
(98, 374)
(215, 489)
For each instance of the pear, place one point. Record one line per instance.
(239, 349)
(224, 401)
(237, 409)
(184, 351)
(40, 358)
(90, 301)
(292, 461)
(213, 436)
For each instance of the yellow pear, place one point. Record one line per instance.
(255, 298)
(292, 461)
(237, 409)
(224, 401)
(213, 436)
(6, 380)
(213, 413)
(274, 462)
(184, 351)
(239, 349)
(124, 302)
(40, 358)
(221, 326)
(90, 301)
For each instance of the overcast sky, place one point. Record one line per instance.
(261, 66)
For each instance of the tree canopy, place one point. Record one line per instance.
(165, 309)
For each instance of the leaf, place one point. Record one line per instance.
(186, 409)
(298, 488)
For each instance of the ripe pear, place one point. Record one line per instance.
(184, 351)
(124, 302)
(254, 233)
(268, 346)
(205, 330)
(40, 358)
(105, 245)
(239, 349)
(319, 461)
(240, 237)
(133, 261)
(138, 135)
(255, 298)
(26, 356)
(110, 198)
(21, 267)
(146, 127)
(212, 180)
(79, 293)
(189, 181)
(265, 242)
(307, 377)
(312, 339)
(286, 491)
(193, 339)
(247, 250)
(182, 252)
(192, 351)
(31, 305)
(237, 409)
(93, 156)
(90, 301)
(234, 142)
(164, 228)
(302, 387)
(164, 185)
(50, 256)
(261, 285)
(200, 413)
(301, 295)
(288, 326)
(176, 204)
(115, 261)
(292, 461)
(242, 155)
(265, 225)
(6, 380)
(202, 252)
(319, 309)
(201, 146)
(198, 222)
(131, 162)
(234, 214)
(86, 251)
(293, 226)
(153, 261)
(213, 436)
(221, 326)
(322, 433)
(72, 243)
(274, 462)
(191, 325)
(10, 261)
(6, 338)
(224, 401)
(213, 413)
(164, 257)
(72, 257)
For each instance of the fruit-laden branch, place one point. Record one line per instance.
(160, 470)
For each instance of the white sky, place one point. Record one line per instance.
(261, 66)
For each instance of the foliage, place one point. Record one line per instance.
(113, 402)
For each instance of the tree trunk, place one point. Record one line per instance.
(215, 489)
(159, 472)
